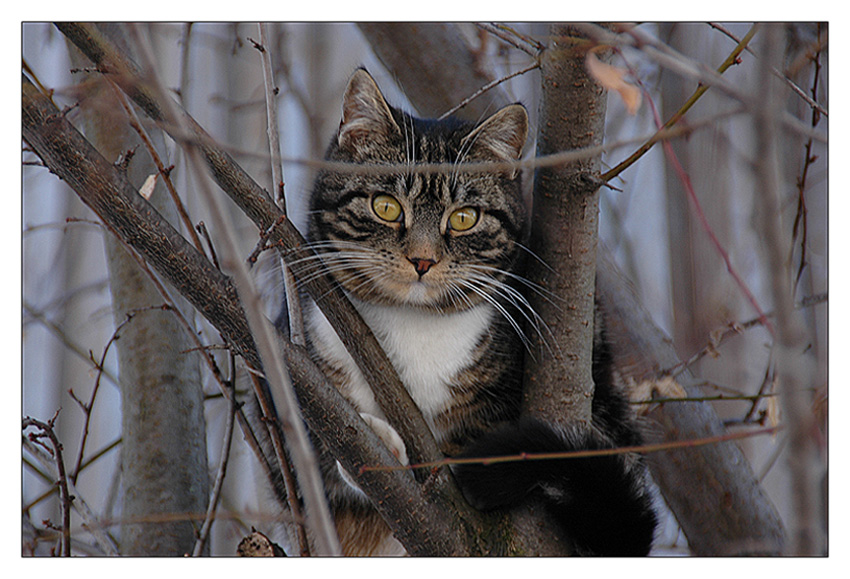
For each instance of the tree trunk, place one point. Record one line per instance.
(164, 457)
(564, 232)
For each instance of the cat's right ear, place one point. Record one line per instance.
(366, 115)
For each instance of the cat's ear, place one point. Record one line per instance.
(501, 137)
(366, 115)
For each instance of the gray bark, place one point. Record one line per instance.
(564, 232)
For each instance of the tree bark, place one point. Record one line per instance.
(564, 232)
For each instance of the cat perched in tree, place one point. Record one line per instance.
(430, 260)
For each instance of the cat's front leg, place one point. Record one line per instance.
(387, 434)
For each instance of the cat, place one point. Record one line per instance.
(432, 263)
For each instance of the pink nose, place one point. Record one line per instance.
(422, 265)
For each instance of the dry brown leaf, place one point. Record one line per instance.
(613, 78)
(147, 188)
(644, 392)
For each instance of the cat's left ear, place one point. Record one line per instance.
(366, 116)
(501, 137)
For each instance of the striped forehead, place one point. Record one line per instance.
(430, 149)
(428, 187)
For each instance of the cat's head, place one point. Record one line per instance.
(444, 239)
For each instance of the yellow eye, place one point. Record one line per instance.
(387, 207)
(463, 219)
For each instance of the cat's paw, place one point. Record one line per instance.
(387, 434)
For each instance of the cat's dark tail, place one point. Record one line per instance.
(601, 502)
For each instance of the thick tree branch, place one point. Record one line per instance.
(712, 490)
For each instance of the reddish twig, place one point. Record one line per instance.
(703, 220)
(800, 221)
(641, 449)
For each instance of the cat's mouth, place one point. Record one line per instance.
(406, 287)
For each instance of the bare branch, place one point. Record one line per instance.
(232, 407)
(48, 432)
(293, 301)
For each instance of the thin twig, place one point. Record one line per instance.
(164, 171)
(487, 87)
(678, 115)
(48, 432)
(767, 383)
(640, 449)
(701, 217)
(88, 407)
(60, 334)
(222, 471)
(801, 228)
(293, 302)
(504, 36)
(734, 328)
(706, 226)
(778, 74)
(91, 524)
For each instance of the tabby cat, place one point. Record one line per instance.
(430, 260)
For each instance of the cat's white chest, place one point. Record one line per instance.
(427, 350)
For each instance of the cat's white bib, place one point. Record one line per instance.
(427, 350)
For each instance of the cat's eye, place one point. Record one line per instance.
(386, 207)
(463, 219)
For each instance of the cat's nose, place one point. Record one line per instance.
(422, 265)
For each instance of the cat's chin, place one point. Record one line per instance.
(420, 294)
(415, 295)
